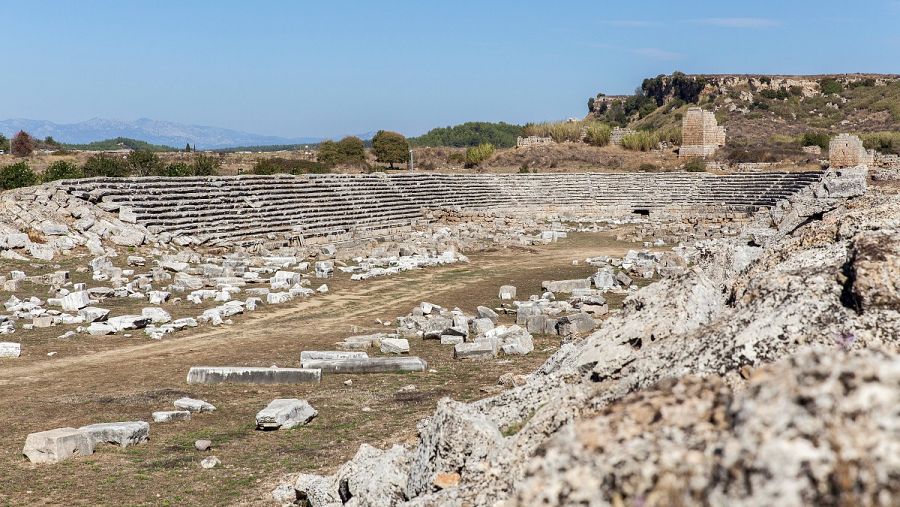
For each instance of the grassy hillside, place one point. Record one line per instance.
(779, 113)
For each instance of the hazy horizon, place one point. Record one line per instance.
(318, 70)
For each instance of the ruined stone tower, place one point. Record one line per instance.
(701, 135)
(847, 150)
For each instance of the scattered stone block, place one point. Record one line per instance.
(309, 355)
(285, 413)
(369, 365)
(118, 433)
(57, 445)
(395, 346)
(10, 349)
(75, 301)
(507, 293)
(202, 445)
(481, 349)
(252, 375)
(451, 339)
(192, 405)
(484, 312)
(171, 416)
(210, 462)
(566, 285)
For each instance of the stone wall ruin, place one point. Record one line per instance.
(701, 135)
(847, 150)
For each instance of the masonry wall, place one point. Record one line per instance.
(847, 150)
(700, 133)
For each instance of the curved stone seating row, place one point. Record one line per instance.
(244, 209)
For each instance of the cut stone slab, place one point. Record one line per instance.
(93, 314)
(370, 365)
(171, 416)
(451, 339)
(507, 292)
(578, 324)
(192, 405)
(566, 285)
(285, 413)
(486, 313)
(481, 349)
(395, 346)
(252, 375)
(75, 301)
(57, 445)
(10, 349)
(308, 355)
(118, 433)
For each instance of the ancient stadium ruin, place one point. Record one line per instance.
(720, 339)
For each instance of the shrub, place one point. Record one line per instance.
(143, 163)
(779, 94)
(695, 165)
(390, 147)
(523, 169)
(885, 142)
(277, 165)
(640, 141)
(103, 165)
(597, 134)
(61, 170)
(16, 176)
(830, 86)
(671, 135)
(819, 139)
(205, 165)
(456, 158)
(22, 144)
(175, 169)
(478, 154)
(647, 167)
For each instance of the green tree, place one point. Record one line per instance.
(49, 141)
(187, 148)
(390, 147)
(349, 150)
(176, 169)
(61, 170)
(4, 143)
(22, 144)
(103, 165)
(17, 175)
(143, 162)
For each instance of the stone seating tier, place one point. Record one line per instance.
(246, 209)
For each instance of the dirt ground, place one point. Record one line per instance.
(105, 379)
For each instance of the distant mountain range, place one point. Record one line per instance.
(165, 133)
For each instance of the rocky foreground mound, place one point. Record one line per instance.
(672, 402)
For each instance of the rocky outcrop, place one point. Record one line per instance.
(664, 384)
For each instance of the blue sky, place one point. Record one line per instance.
(325, 68)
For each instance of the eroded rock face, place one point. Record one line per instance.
(819, 428)
(662, 385)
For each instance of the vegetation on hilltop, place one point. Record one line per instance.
(118, 143)
(471, 134)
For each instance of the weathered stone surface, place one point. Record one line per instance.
(480, 349)
(252, 375)
(57, 445)
(507, 293)
(309, 355)
(566, 285)
(285, 414)
(122, 434)
(171, 416)
(368, 365)
(394, 346)
(75, 301)
(10, 349)
(194, 405)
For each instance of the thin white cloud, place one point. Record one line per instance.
(739, 22)
(656, 53)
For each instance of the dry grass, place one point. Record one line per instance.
(94, 379)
